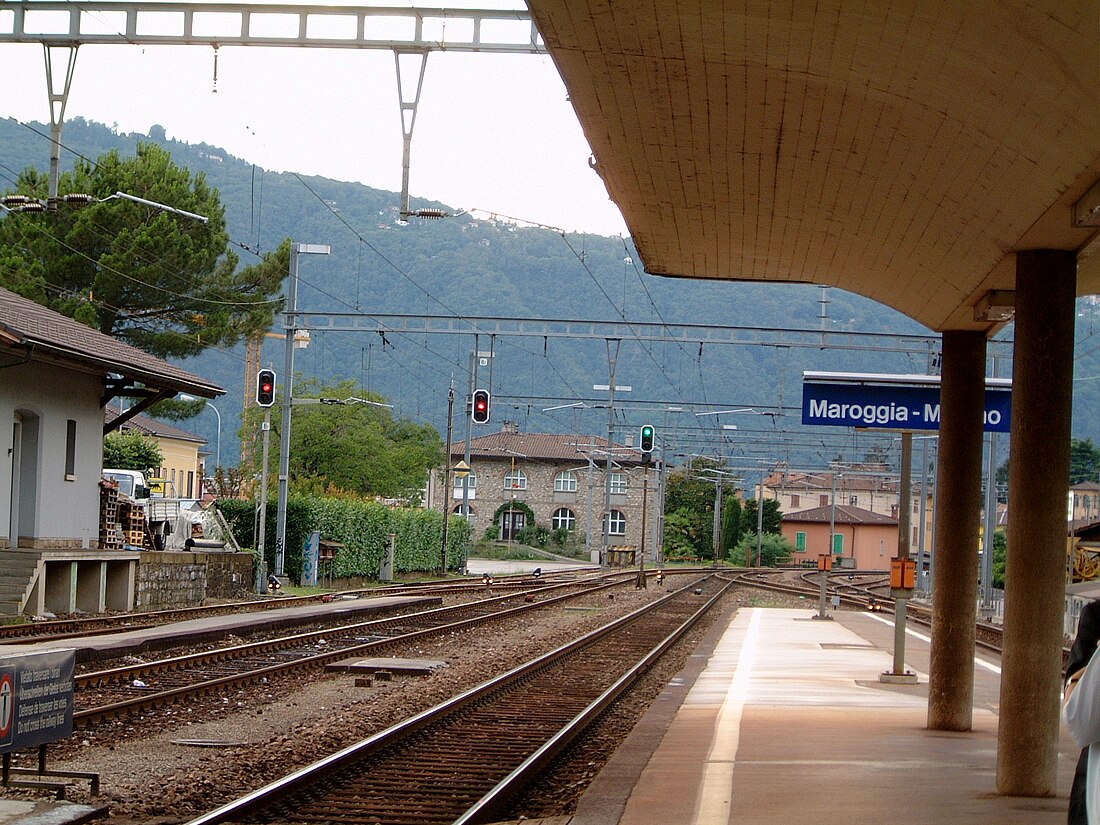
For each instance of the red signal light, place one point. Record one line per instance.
(479, 408)
(265, 388)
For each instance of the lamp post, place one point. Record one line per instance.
(24, 203)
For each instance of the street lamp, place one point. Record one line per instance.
(25, 203)
(218, 455)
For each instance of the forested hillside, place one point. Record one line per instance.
(470, 265)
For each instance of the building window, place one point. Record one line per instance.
(563, 519)
(471, 516)
(472, 479)
(800, 542)
(795, 500)
(853, 501)
(823, 501)
(618, 484)
(615, 522)
(70, 452)
(565, 482)
(893, 511)
(916, 505)
(515, 480)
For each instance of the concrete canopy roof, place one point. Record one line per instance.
(900, 150)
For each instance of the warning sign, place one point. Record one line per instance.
(7, 705)
(36, 698)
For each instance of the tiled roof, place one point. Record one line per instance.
(150, 426)
(841, 514)
(544, 446)
(27, 325)
(822, 482)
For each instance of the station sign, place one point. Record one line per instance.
(891, 402)
(36, 698)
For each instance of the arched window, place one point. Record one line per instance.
(618, 484)
(563, 519)
(515, 480)
(615, 522)
(565, 482)
(471, 516)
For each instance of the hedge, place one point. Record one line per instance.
(361, 526)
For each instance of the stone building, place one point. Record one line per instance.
(559, 480)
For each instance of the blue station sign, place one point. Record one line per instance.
(891, 402)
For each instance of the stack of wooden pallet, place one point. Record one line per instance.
(133, 524)
(110, 529)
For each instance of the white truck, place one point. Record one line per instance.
(131, 483)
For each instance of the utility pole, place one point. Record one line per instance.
(469, 434)
(290, 325)
(760, 521)
(588, 521)
(899, 586)
(641, 544)
(261, 578)
(447, 472)
(716, 530)
(612, 358)
(990, 515)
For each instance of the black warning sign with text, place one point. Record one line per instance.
(36, 698)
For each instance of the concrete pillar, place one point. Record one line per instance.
(1038, 483)
(958, 515)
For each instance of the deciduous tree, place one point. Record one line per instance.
(356, 447)
(130, 451)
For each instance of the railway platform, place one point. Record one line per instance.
(208, 628)
(781, 718)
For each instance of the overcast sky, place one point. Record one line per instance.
(493, 132)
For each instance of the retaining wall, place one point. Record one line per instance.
(171, 580)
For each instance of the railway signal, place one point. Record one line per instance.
(265, 388)
(479, 409)
(645, 440)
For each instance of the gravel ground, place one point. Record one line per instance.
(154, 772)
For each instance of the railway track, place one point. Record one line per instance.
(465, 759)
(859, 596)
(133, 688)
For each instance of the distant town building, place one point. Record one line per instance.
(1084, 502)
(857, 539)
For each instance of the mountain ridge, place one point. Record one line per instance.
(467, 267)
